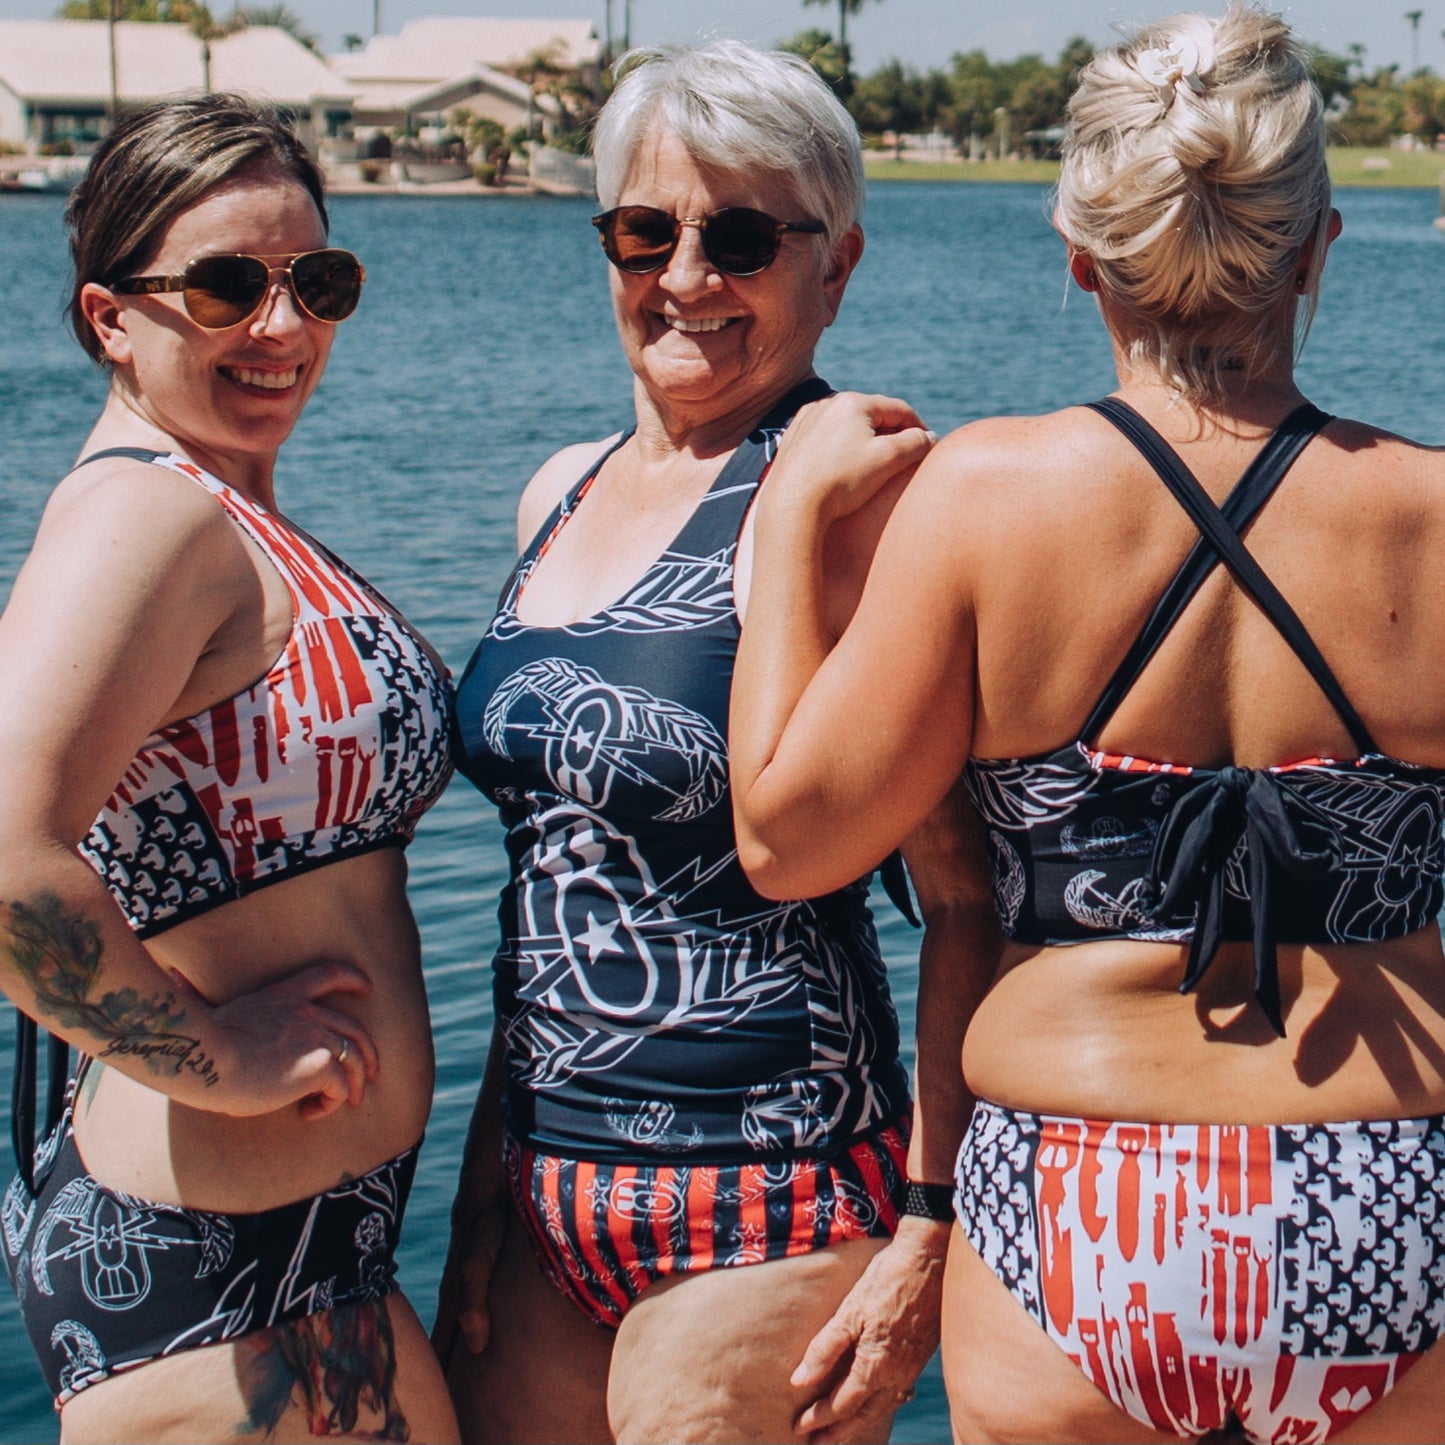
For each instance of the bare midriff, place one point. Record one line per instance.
(1100, 1031)
(134, 1138)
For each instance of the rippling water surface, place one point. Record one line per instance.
(485, 342)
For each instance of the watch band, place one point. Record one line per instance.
(929, 1201)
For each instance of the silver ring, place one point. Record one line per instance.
(345, 1049)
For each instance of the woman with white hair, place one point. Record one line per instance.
(1183, 645)
(692, 1078)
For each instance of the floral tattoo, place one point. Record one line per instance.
(58, 952)
(338, 1366)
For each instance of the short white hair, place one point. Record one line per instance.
(742, 111)
(1194, 189)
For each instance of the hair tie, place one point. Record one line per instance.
(1170, 67)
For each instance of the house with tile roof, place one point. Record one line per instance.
(435, 65)
(55, 77)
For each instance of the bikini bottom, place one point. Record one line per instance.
(108, 1281)
(604, 1232)
(1283, 1277)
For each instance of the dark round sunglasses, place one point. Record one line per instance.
(737, 240)
(222, 291)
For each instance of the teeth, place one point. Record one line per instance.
(703, 323)
(269, 380)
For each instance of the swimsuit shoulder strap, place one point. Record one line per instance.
(1220, 542)
(139, 454)
(717, 521)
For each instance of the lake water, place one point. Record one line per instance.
(485, 342)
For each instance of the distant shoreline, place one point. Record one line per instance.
(1349, 166)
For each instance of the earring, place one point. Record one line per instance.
(1300, 282)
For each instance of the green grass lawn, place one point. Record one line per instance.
(1349, 166)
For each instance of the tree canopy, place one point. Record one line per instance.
(975, 101)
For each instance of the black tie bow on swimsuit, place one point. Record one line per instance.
(1191, 857)
(1196, 840)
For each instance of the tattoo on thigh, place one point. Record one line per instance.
(338, 1366)
(58, 952)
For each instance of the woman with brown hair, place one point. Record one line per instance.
(215, 742)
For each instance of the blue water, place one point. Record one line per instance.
(485, 341)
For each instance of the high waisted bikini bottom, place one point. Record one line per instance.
(604, 1232)
(108, 1281)
(1284, 1276)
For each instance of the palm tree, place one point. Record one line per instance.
(283, 17)
(1414, 17)
(845, 9)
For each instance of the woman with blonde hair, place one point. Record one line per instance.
(1183, 645)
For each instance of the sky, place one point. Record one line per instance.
(920, 33)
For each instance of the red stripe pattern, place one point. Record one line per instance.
(338, 749)
(604, 1232)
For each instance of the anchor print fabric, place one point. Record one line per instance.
(107, 1280)
(1072, 835)
(651, 1003)
(1285, 1274)
(339, 748)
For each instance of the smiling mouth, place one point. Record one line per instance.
(701, 323)
(266, 380)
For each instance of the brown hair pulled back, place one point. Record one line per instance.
(157, 161)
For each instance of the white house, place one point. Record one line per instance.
(438, 64)
(55, 76)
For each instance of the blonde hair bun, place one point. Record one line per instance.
(1193, 175)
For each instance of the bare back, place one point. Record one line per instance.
(1088, 538)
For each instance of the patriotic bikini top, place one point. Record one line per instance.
(1087, 845)
(338, 749)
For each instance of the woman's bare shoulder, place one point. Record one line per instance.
(992, 458)
(142, 508)
(553, 480)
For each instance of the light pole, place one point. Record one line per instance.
(1414, 17)
(114, 79)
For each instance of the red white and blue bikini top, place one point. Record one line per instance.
(338, 749)
(1088, 845)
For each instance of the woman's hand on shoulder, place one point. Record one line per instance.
(840, 452)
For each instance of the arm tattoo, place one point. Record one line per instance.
(338, 1366)
(58, 954)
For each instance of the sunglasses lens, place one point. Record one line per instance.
(741, 241)
(221, 291)
(638, 238)
(328, 283)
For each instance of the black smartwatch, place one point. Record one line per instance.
(929, 1201)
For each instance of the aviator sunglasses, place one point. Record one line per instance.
(222, 291)
(737, 240)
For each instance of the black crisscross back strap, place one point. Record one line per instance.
(1220, 542)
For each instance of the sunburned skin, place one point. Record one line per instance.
(60, 954)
